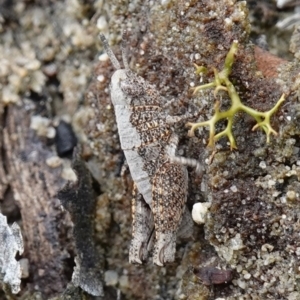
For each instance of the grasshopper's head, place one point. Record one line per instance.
(118, 88)
(120, 81)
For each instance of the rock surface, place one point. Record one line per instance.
(49, 68)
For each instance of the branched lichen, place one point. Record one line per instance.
(222, 82)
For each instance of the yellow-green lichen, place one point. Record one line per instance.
(222, 82)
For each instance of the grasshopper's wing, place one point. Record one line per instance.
(169, 194)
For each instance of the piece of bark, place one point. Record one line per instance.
(34, 184)
(79, 199)
(3, 173)
(11, 242)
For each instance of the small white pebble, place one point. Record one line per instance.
(199, 212)
(282, 3)
(124, 282)
(68, 174)
(102, 23)
(33, 65)
(42, 126)
(291, 195)
(50, 69)
(267, 247)
(51, 132)
(101, 78)
(228, 21)
(103, 57)
(38, 121)
(53, 162)
(233, 188)
(165, 2)
(262, 164)
(239, 268)
(197, 56)
(100, 127)
(241, 284)
(220, 47)
(8, 96)
(111, 277)
(271, 182)
(24, 263)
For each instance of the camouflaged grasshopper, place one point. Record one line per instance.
(149, 144)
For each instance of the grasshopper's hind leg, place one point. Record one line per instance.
(142, 227)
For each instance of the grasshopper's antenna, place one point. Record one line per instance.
(110, 53)
(124, 49)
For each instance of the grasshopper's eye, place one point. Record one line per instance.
(126, 87)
